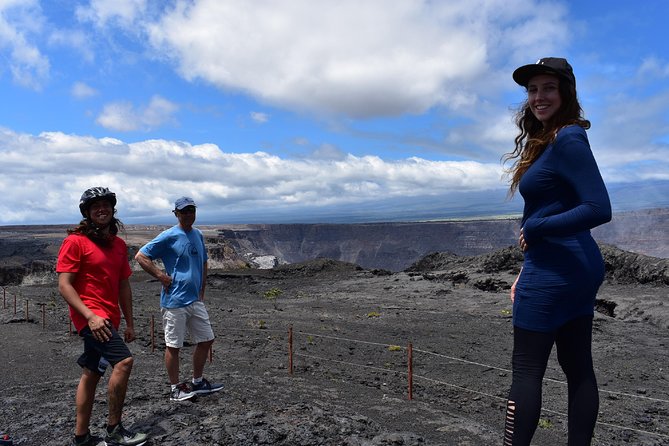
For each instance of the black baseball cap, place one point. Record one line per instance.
(548, 65)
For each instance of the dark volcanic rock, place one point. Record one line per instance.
(628, 267)
(26, 251)
(622, 267)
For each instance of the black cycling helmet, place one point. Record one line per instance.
(94, 194)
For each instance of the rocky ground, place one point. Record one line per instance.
(351, 329)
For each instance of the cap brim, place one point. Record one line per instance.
(523, 74)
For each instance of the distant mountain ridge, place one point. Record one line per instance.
(395, 246)
(31, 250)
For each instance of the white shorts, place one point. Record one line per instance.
(193, 318)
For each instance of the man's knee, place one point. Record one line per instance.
(125, 366)
(89, 377)
(207, 343)
(172, 351)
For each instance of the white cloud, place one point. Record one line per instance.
(124, 117)
(20, 23)
(361, 59)
(81, 90)
(102, 12)
(148, 175)
(630, 132)
(119, 116)
(158, 112)
(74, 39)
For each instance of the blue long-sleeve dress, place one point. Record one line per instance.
(564, 197)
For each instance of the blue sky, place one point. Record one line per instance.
(311, 110)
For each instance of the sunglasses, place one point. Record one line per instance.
(187, 211)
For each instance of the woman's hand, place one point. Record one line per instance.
(521, 241)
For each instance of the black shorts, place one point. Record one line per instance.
(98, 355)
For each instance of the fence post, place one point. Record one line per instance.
(290, 349)
(410, 362)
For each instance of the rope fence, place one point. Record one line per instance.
(11, 302)
(410, 377)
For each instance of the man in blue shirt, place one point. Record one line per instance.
(184, 256)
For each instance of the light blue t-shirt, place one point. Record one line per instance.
(183, 254)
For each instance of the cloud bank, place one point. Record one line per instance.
(147, 176)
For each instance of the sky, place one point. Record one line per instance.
(312, 110)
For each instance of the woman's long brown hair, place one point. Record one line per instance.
(534, 137)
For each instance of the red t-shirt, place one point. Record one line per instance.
(99, 271)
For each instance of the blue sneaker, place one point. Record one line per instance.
(205, 387)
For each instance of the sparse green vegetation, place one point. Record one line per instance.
(272, 293)
(545, 424)
(394, 348)
(373, 314)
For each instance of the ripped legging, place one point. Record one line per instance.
(531, 350)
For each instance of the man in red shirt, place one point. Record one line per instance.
(93, 274)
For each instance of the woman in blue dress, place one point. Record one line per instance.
(554, 295)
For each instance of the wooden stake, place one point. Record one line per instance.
(410, 361)
(290, 349)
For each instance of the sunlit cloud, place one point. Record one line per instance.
(221, 180)
(20, 22)
(125, 117)
(301, 56)
(101, 12)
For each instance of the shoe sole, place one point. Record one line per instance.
(186, 398)
(118, 444)
(99, 443)
(207, 392)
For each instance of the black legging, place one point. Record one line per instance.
(531, 350)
